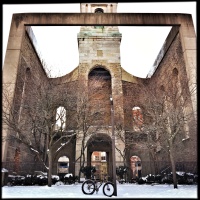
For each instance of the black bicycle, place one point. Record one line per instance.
(91, 185)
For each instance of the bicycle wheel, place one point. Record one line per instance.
(88, 187)
(108, 189)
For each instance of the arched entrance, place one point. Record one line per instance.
(136, 167)
(63, 166)
(99, 154)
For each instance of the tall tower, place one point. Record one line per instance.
(94, 7)
(99, 42)
(99, 52)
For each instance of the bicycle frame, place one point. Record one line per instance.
(91, 185)
(98, 186)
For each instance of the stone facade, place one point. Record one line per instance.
(99, 76)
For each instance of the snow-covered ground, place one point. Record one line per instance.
(123, 191)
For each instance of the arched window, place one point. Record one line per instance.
(60, 118)
(98, 10)
(99, 90)
(137, 118)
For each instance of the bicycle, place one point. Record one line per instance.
(91, 185)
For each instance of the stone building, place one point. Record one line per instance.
(99, 76)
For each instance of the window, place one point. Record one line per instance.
(103, 158)
(60, 118)
(137, 118)
(98, 10)
(96, 158)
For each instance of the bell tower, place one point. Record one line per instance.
(96, 7)
(99, 42)
(99, 53)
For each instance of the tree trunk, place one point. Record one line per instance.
(82, 157)
(125, 165)
(50, 168)
(17, 160)
(173, 167)
(79, 173)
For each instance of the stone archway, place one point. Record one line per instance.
(68, 151)
(63, 166)
(100, 142)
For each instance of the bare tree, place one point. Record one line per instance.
(130, 139)
(129, 131)
(167, 114)
(165, 120)
(31, 117)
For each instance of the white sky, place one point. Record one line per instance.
(139, 47)
(123, 191)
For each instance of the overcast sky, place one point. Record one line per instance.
(139, 47)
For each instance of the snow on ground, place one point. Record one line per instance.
(123, 191)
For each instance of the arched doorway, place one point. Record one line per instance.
(136, 167)
(99, 154)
